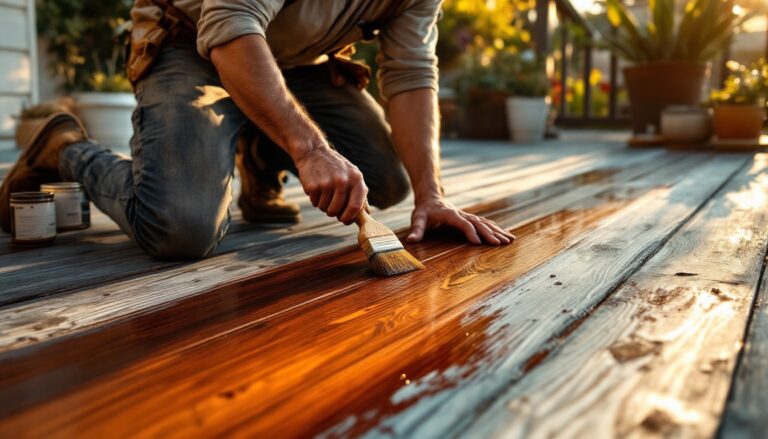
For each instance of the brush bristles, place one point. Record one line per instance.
(394, 262)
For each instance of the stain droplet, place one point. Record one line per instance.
(633, 349)
(659, 422)
(552, 275)
(558, 283)
(685, 274)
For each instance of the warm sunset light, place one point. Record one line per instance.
(391, 218)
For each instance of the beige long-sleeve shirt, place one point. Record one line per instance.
(303, 32)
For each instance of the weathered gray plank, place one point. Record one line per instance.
(656, 357)
(536, 308)
(747, 408)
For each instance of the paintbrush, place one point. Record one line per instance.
(385, 252)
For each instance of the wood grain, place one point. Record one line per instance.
(657, 357)
(308, 347)
(745, 414)
(100, 303)
(537, 308)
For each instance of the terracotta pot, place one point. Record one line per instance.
(738, 121)
(484, 115)
(654, 86)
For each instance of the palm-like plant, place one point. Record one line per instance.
(694, 34)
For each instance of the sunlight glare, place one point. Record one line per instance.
(753, 196)
(674, 408)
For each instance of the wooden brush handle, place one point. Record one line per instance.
(363, 217)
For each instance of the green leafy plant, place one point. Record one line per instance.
(745, 85)
(114, 83)
(509, 72)
(476, 24)
(80, 35)
(695, 33)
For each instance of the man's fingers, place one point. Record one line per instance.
(339, 201)
(418, 225)
(325, 200)
(484, 230)
(314, 197)
(355, 204)
(465, 226)
(498, 230)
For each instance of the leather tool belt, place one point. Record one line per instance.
(148, 36)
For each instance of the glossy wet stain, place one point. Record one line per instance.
(321, 347)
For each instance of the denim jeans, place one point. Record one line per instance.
(172, 197)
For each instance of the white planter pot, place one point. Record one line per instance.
(527, 118)
(107, 116)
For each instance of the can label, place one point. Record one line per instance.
(34, 221)
(69, 209)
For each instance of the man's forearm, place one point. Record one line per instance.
(251, 76)
(415, 123)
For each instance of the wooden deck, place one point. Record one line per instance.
(634, 303)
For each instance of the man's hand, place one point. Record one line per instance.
(438, 212)
(334, 185)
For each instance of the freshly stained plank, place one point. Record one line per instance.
(91, 306)
(262, 367)
(656, 358)
(745, 414)
(532, 310)
(222, 392)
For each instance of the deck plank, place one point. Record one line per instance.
(288, 366)
(657, 357)
(100, 303)
(537, 308)
(745, 414)
(111, 256)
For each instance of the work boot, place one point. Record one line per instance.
(261, 198)
(39, 161)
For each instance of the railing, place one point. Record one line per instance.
(581, 58)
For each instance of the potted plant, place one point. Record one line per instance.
(106, 106)
(528, 103)
(84, 55)
(670, 53)
(739, 108)
(482, 95)
(472, 35)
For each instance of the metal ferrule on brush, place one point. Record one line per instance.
(381, 244)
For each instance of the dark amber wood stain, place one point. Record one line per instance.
(297, 350)
(359, 342)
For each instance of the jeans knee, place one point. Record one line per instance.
(182, 235)
(391, 190)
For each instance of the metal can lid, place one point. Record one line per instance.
(64, 186)
(32, 197)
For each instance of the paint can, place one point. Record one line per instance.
(33, 218)
(73, 210)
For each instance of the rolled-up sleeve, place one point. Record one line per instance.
(407, 59)
(221, 21)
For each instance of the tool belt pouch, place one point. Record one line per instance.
(344, 69)
(149, 34)
(145, 43)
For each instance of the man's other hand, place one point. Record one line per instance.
(334, 185)
(438, 212)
